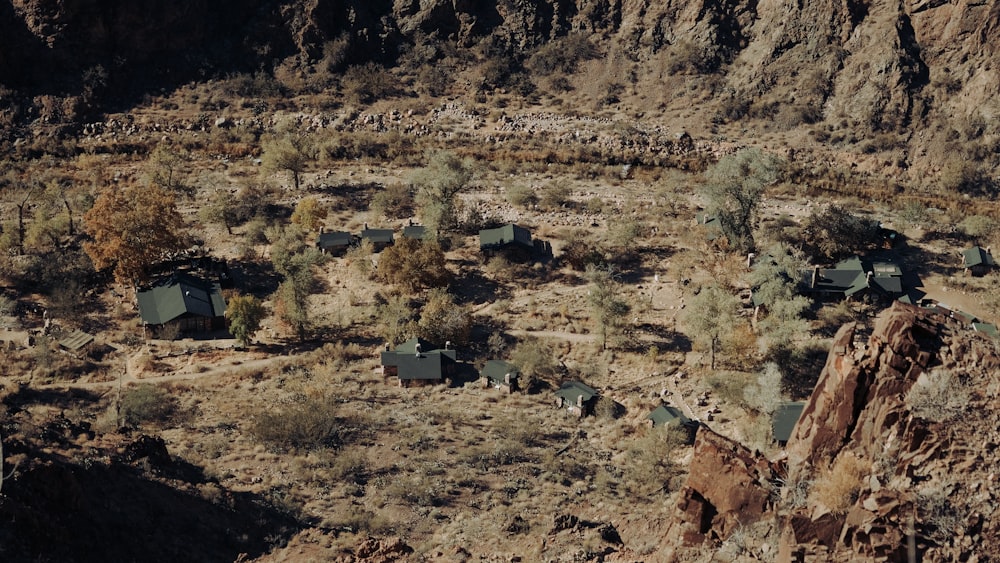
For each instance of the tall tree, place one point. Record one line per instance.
(291, 151)
(606, 302)
(413, 264)
(735, 188)
(133, 228)
(711, 315)
(245, 313)
(438, 185)
(774, 279)
(295, 262)
(164, 169)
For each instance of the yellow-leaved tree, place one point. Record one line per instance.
(133, 228)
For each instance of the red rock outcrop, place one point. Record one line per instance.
(728, 485)
(912, 413)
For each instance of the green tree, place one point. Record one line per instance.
(309, 214)
(395, 319)
(764, 396)
(774, 279)
(165, 167)
(438, 185)
(295, 262)
(711, 315)
(245, 313)
(413, 265)
(131, 229)
(290, 151)
(836, 232)
(606, 303)
(443, 320)
(735, 189)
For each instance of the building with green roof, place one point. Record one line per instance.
(577, 397)
(334, 242)
(666, 415)
(418, 232)
(784, 419)
(501, 375)
(509, 235)
(977, 261)
(417, 360)
(183, 301)
(854, 278)
(380, 238)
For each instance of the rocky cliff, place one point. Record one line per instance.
(865, 67)
(894, 457)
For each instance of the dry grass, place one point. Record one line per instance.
(838, 487)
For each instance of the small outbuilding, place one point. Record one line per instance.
(500, 375)
(978, 261)
(577, 397)
(666, 415)
(784, 419)
(509, 236)
(76, 341)
(184, 301)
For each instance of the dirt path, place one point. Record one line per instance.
(131, 378)
(570, 336)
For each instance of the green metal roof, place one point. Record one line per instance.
(502, 236)
(378, 236)
(334, 239)
(988, 329)
(410, 346)
(418, 232)
(851, 276)
(665, 414)
(977, 256)
(178, 295)
(409, 365)
(429, 365)
(784, 420)
(570, 390)
(496, 370)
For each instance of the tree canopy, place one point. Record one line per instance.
(438, 185)
(735, 188)
(413, 265)
(132, 229)
(245, 313)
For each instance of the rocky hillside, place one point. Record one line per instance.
(895, 455)
(915, 71)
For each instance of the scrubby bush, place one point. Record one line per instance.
(366, 83)
(307, 425)
(522, 195)
(146, 404)
(837, 232)
(394, 201)
(413, 264)
(838, 488)
(562, 55)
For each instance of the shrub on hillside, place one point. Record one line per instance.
(308, 425)
(146, 404)
(838, 488)
(413, 264)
